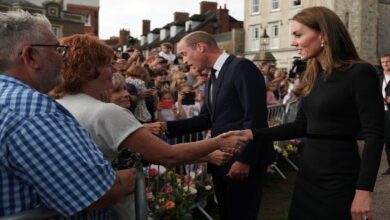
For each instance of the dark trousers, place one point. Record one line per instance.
(387, 136)
(239, 199)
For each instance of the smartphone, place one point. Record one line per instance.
(150, 84)
(125, 56)
(166, 104)
(205, 75)
(189, 98)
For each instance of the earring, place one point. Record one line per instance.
(322, 43)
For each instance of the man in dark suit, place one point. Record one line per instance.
(385, 87)
(235, 98)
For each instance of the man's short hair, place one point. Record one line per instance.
(18, 28)
(385, 55)
(167, 45)
(200, 37)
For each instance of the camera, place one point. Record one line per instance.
(150, 84)
(188, 99)
(298, 68)
(125, 56)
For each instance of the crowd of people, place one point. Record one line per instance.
(76, 116)
(62, 156)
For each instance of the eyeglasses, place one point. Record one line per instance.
(61, 49)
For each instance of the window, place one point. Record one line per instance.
(255, 6)
(57, 30)
(275, 5)
(87, 21)
(289, 32)
(255, 37)
(188, 25)
(296, 3)
(163, 34)
(53, 11)
(346, 20)
(255, 33)
(274, 35)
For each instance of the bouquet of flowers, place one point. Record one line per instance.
(172, 195)
(285, 148)
(274, 122)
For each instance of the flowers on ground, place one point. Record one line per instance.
(172, 195)
(285, 148)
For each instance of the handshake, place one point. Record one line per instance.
(234, 141)
(231, 142)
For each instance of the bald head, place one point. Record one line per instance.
(192, 39)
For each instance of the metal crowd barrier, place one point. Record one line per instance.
(279, 114)
(276, 112)
(32, 214)
(291, 111)
(43, 213)
(141, 210)
(185, 169)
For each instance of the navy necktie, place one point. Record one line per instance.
(213, 80)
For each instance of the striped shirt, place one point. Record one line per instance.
(46, 158)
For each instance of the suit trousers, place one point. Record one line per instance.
(387, 136)
(239, 199)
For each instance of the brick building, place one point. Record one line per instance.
(67, 17)
(212, 19)
(91, 13)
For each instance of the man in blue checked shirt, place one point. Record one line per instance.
(46, 158)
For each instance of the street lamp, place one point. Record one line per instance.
(264, 40)
(264, 55)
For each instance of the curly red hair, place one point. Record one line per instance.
(85, 54)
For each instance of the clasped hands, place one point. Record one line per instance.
(234, 141)
(231, 142)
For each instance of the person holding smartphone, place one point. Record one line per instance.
(186, 103)
(166, 109)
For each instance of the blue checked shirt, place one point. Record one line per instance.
(46, 158)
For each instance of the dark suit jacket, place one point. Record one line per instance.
(239, 103)
(387, 89)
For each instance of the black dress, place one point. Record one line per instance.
(330, 118)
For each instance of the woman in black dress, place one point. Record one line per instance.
(340, 97)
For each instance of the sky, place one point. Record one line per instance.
(128, 14)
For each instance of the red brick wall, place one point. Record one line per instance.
(209, 28)
(87, 10)
(123, 35)
(180, 16)
(223, 20)
(207, 6)
(145, 26)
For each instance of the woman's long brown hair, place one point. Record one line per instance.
(339, 51)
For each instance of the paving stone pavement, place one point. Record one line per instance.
(381, 194)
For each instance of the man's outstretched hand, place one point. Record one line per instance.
(245, 133)
(232, 142)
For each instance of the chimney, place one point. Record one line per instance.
(145, 27)
(123, 35)
(180, 16)
(207, 6)
(223, 20)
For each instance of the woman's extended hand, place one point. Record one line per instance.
(155, 127)
(245, 133)
(232, 142)
(362, 206)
